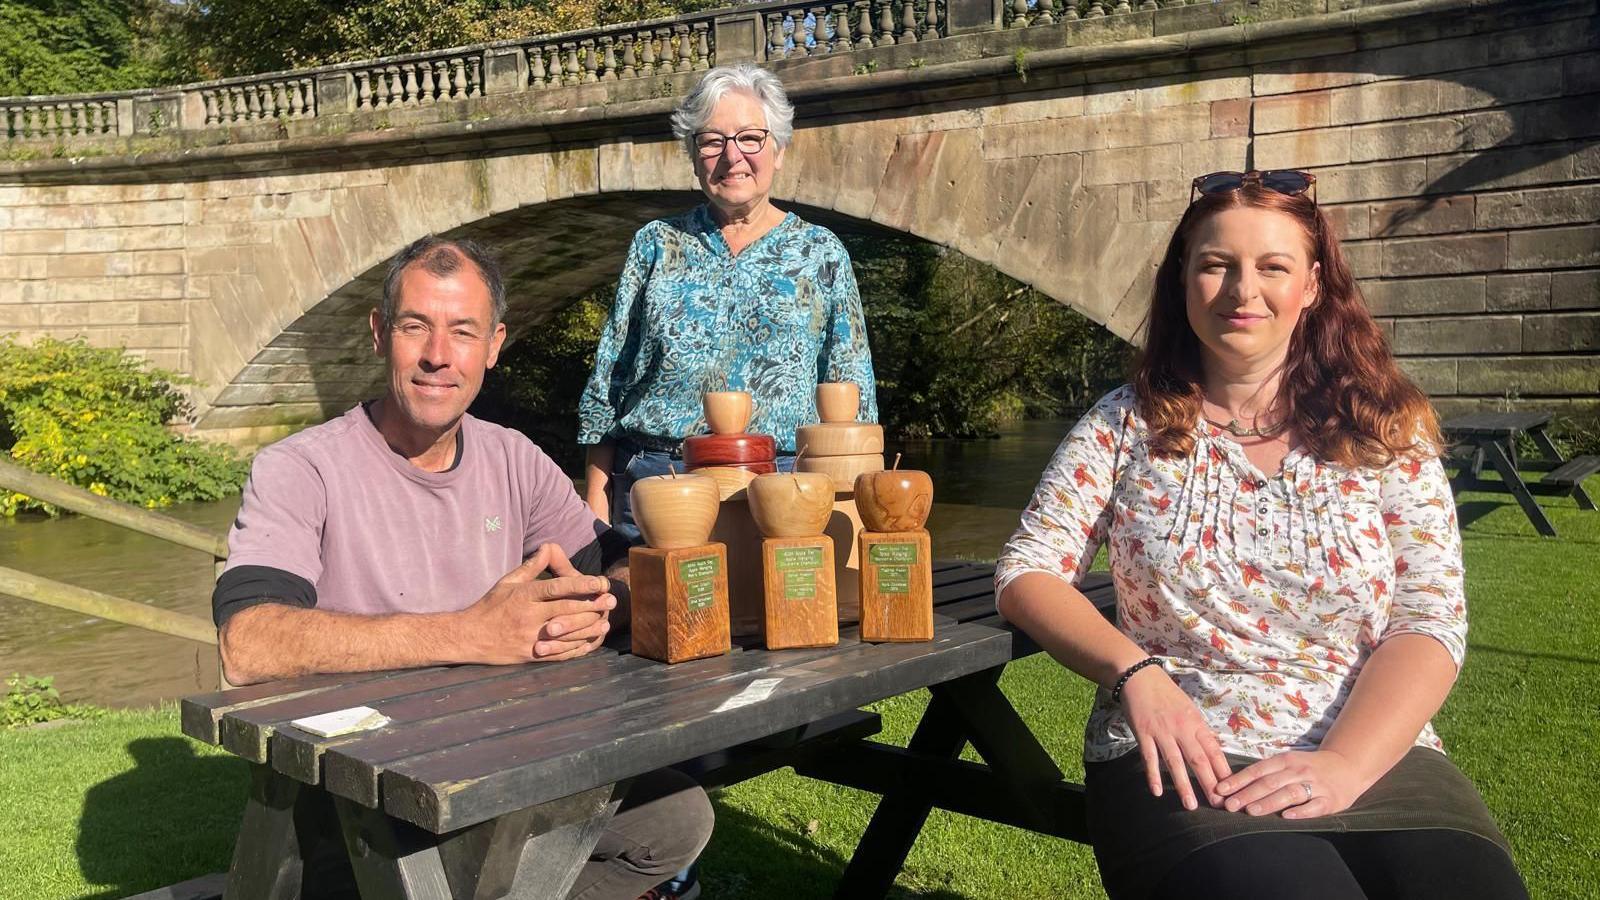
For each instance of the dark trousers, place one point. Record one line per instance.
(1357, 865)
(662, 825)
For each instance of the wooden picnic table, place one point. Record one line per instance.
(1491, 437)
(496, 781)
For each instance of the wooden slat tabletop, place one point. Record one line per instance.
(1495, 424)
(467, 743)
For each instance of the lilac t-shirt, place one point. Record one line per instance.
(375, 534)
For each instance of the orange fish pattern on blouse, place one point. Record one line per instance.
(1263, 596)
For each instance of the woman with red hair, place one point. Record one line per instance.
(1290, 609)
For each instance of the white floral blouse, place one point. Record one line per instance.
(1262, 596)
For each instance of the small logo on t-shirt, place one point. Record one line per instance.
(491, 524)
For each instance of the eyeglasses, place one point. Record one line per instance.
(710, 144)
(1289, 182)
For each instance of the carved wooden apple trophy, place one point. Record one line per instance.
(680, 580)
(799, 595)
(896, 556)
(842, 448)
(734, 457)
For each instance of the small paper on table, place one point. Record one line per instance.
(755, 692)
(342, 721)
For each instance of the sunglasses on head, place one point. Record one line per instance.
(1290, 182)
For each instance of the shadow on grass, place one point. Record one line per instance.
(1534, 654)
(751, 858)
(173, 812)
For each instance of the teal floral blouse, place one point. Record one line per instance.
(690, 317)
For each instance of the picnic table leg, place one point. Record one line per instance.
(1513, 481)
(494, 859)
(900, 815)
(282, 826)
(1009, 747)
(1548, 448)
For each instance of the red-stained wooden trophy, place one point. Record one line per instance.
(799, 596)
(679, 581)
(896, 555)
(733, 457)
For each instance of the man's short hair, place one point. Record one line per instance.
(441, 258)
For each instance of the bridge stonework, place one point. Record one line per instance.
(1456, 145)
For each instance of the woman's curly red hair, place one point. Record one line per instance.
(1341, 390)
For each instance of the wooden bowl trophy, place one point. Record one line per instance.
(842, 448)
(797, 560)
(896, 555)
(734, 457)
(680, 581)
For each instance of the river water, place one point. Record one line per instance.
(979, 488)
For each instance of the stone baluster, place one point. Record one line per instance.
(647, 53)
(38, 121)
(885, 23)
(685, 55)
(840, 16)
(210, 98)
(269, 99)
(908, 23)
(1148, 4)
(630, 63)
(1122, 7)
(819, 31)
(475, 75)
(363, 82)
(276, 97)
(702, 45)
(252, 103)
(1070, 12)
(1019, 14)
(863, 24)
(608, 59)
(556, 68)
(308, 97)
(930, 22)
(591, 65)
(91, 117)
(666, 52)
(1096, 10)
(458, 78)
(775, 36)
(571, 69)
(536, 71)
(413, 94)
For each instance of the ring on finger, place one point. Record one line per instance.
(1306, 786)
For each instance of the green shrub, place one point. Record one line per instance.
(97, 418)
(30, 700)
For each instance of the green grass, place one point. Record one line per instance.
(125, 803)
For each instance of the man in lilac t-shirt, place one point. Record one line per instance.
(408, 533)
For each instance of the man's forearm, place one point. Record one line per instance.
(273, 641)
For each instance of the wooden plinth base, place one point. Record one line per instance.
(680, 602)
(896, 586)
(799, 593)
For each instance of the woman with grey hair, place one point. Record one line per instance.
(735, 294)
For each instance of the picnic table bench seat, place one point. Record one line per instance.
(1572, 472)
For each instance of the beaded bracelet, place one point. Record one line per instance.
(1122, 680)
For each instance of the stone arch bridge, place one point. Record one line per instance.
(236, 230)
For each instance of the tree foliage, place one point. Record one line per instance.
(97, 418)
(82, 46)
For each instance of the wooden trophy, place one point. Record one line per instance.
(896, 555)
(680, 581)
(798, 587)
(842, 448)
(733, 457)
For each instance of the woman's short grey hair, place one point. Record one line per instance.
(691, 115)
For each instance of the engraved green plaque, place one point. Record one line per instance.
(800, 584)
(893, 563)
(699, 576)
(791, 558)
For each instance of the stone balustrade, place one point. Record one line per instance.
(33, 118)
(760, 32)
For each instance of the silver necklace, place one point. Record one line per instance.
(1234, 428)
